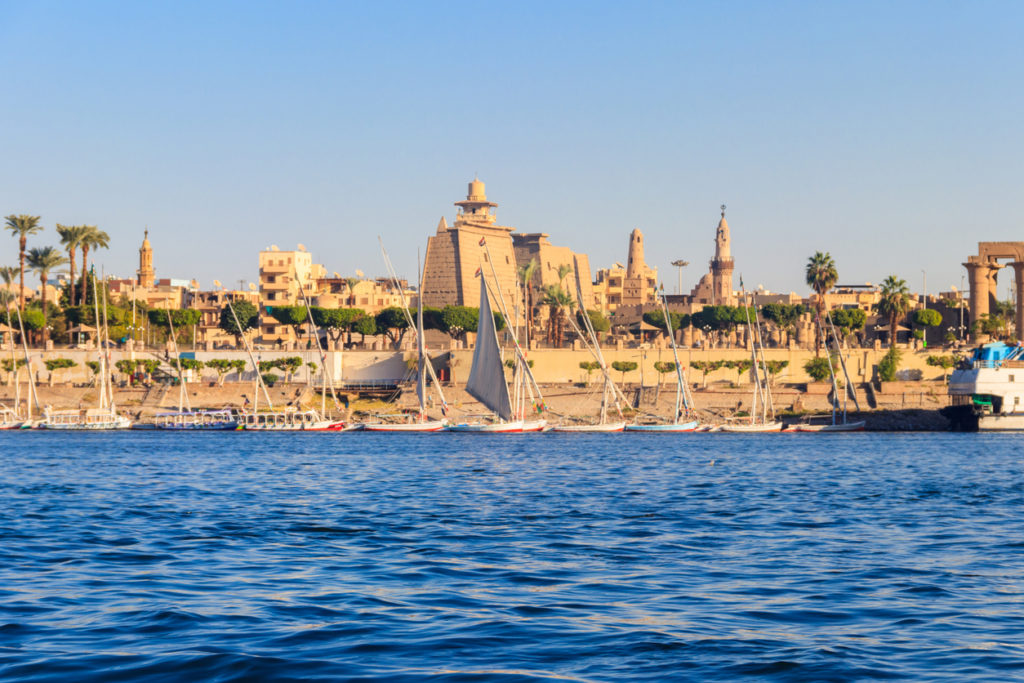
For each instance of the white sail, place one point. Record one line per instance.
(487, 376)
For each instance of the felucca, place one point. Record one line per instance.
(424, 368)
(845, 425)
(611, 393)
(759, 416)
(486, 381)
(104, 416)
(683, 416)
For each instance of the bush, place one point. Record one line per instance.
(818, 369)
(269, 378)
(889, 364)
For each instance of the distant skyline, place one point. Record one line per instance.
(887, 134)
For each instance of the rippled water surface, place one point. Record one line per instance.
(348, 556)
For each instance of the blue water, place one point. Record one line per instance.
(448, 557)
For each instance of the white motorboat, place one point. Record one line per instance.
(87, 419)
(984, 394)
(840, 427)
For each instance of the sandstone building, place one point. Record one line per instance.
(634, 285)
(456, 252)
(715, 288)
(280, 275)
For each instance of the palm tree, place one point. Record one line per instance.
(71, 237)
(23, 225)
(42, 261)
(556, 299)
(94, 238)
(526, 279)
(351, 282)
(821, 277)
(895, 303)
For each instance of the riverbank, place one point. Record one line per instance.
(915, 409)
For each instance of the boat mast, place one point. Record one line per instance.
(842, 362)
(100, 342)
(680, 378)
(255, 365)
(831, 370)
(753, 358)
(33, 394)
(769, 403)
(319, 348)
(182, 393)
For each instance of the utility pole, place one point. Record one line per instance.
(680, 264)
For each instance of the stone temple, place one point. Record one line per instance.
(455, 253)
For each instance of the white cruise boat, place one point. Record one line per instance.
(987, 391)
(88, 419)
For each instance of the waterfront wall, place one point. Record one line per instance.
(550, 366)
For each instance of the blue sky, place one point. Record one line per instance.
(886, 133)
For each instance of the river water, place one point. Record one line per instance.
(381, 557)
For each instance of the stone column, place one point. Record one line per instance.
(977, 274)
(1018, 276)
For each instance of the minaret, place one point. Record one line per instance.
(636, 267)
(476, 208)
(722, 265)
(145, 272)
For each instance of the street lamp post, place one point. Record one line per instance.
(680, 264)
(924, 295)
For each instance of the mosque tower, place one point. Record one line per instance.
(145, 272)
(722, 265)
(636, 267)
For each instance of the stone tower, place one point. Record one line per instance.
(145, 272)
(722, 265)
(636, 267)
(456, 252)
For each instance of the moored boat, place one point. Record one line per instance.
(664, 428)
(751, 427)
(841, 427)
(88, 419)
(203, 420)
(983, 391)
(288, 421)
(513, 427)
(601, 427)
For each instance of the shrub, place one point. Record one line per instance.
(889, 364)
(818, 369)
(269, 378)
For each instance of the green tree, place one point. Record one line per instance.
(392, 322)
(126, 366)
(93, 365)
(269, 378)
(783, 316)
(775, 367)
(336, 321)
(42, 260)
(893, 303)
(71, 237)
(847, 320)
(458, 320)
(182, 319)
(289, 365)
(239, 367)
(589, 366)
(821, 276)
(292, 316)
(92, 239)
(624, 366)
(925, 318)
(22, 225)
(222, 366)
(944, 362)
(741, 366)
(597, 319)
(248, 318)
(9, 366)
(366, 325)
(663, 368)
(656, 318)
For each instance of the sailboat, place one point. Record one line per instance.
(486, 381)
(291, 419)
(681, 421)
(759, 418)
(104, 416)
(10, 419)
(611, 393)
(423, 368)
(845, 425)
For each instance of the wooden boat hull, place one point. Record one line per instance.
(752, 428)
(429, 426)
(664, 428)
(488, 427)
(848, 427)
(599, 428)
(120, 423)
(534, 425)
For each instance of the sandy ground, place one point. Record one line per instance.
(914, 409)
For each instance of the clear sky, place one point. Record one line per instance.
(888, 134)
